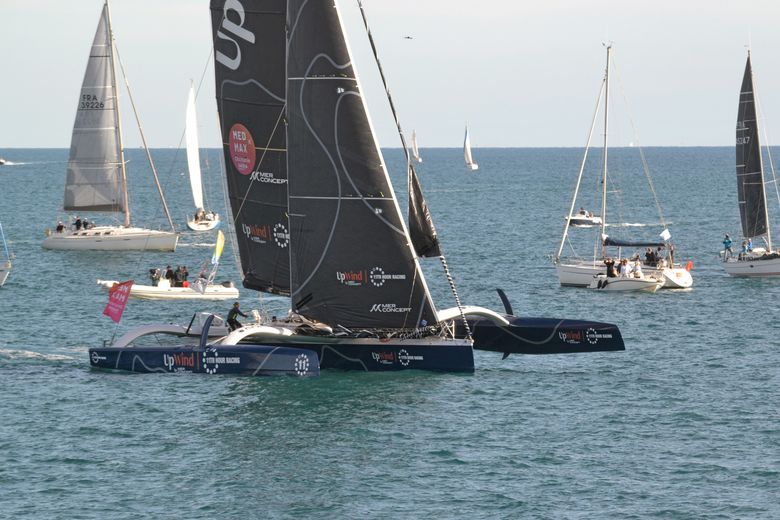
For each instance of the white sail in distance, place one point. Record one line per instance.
(467, 152)
(193, 150)
(415, 149)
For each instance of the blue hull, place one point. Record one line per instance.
(544, 336)
(392, 357)
(250, 360)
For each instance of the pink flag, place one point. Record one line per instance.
(117, 299)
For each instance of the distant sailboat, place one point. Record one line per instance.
(415, 149)
(5, 265)
(470, 164)
(96, 178)
(751, 190)
(202, 220)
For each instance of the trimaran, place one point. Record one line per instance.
(328, 230)
(96, 179)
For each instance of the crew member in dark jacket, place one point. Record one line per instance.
(233, 323)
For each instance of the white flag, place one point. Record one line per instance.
(666, 235)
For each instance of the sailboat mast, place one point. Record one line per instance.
(761, 161)
(118, 118)
(606, 133)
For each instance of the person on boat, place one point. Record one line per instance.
(583, 212)
(200, 214)
(625, 270)
(233, 323)
(744, 251)
(750, 245)
(184, 275)
(77, 224)
(155, 275)
(85, 224)
(169, 275)
(610, 263)
(649, 257)
(638, 270)
(60, 227)
(727, 252)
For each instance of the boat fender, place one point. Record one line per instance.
(689, 265)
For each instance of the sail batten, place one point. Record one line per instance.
(749, 165)
(94, 174)
(351, 264)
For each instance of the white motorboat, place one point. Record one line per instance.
(202, 220)
(96, 179)
(2, 161)
(601, 282)
(578, 272)
(584, 218)
(751, 189)
(164, 291)
(470, 164)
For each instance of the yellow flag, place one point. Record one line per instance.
(220, 245)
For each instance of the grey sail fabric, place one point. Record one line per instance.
(249, 63)
(750, 177)
(94, 176)
(421, 229)
(352, 263)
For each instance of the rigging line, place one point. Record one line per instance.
(410, 166)
(582, 170)
(766, 140)
(143, 138)
(645, 165)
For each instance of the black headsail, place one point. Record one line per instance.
(750, 176)
(352, 261)
(249, 62)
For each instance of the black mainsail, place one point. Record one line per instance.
(249, 61)
(750, 175)
(352, 262)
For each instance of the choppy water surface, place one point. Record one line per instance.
(684, 424)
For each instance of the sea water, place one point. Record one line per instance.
(683, 424)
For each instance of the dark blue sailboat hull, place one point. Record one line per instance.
(253, 360)
(393, 357)
(544, 336)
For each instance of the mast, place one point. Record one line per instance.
(118, 118)
(606, 133)
(761, 161)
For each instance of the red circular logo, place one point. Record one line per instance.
(242, 149)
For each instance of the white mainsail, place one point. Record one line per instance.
(467, 152)
(193, 150)
(415, 149)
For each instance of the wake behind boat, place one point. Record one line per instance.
(96, 179)
(751, 190)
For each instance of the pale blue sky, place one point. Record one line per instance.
(521, 73)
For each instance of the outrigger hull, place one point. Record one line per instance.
(543, 336)
(247, 360)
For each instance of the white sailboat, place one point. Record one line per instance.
(415, 149)
(470, 164)
(202, 220)
(751, 190)
(5, 264)
(96, 178)
(579, 272)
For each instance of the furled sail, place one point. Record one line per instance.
(352, 262)
(750, 176)
(94, 179)
(193, 150)
(421, 228)
(249, 63)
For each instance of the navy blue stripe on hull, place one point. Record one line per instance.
(389, 357)
(251, 360)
